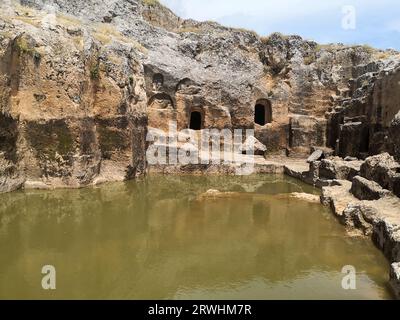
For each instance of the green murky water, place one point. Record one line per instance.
(153, 240)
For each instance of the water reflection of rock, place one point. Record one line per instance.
(151, 239)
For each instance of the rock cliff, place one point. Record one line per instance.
(82, 81)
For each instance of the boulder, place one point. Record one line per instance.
(316, 156)
(148, 67)
(382, 169)
(364, 189)
(337, 169)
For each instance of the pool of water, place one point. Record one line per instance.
(155, 239)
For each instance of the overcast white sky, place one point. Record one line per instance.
(377, 21)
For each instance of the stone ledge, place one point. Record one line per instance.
(379, 219)
(364, 189)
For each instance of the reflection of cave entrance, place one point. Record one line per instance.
(263, 112)
(196, 120)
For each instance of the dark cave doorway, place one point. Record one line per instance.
(196, 120)
(263, 113)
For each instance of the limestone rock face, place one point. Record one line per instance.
(365, 122)
(72, 107)
(353, 134)
(81, 81)
(306, 131)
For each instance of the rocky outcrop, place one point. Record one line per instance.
(379, 218)
(362, 125)
(361, 194)
(335, 168)
(365, 207)
(325, 172)
(372, 179)
(73, 105)
(82, 81)
(384, 170)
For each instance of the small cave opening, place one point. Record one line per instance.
(263, 112)
(195, 120)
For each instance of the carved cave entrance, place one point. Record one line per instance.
(263, 112)
(196, 120)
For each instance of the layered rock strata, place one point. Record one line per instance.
(82, 81)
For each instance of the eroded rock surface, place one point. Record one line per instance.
(81, 81)
(72, 101)
(384, 170)
(364, 189)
